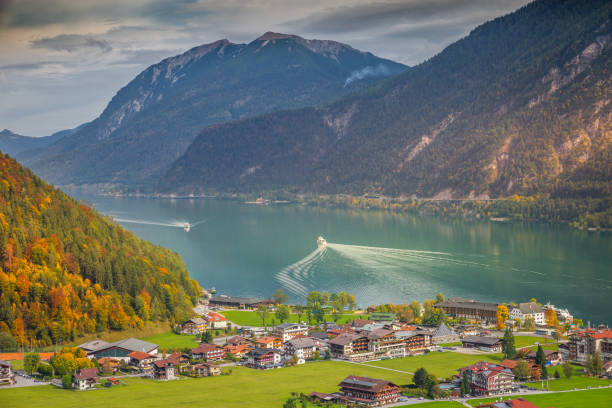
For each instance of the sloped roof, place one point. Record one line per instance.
(205, 348)
(140, 355)
(93, 345)
(131, 344)
(302, 342)
(345, 338)
(364, 383)
(530, 308)
(489, 341)
(196, 320)
(87, 373)
(443, 331)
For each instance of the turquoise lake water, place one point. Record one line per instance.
(380, 257)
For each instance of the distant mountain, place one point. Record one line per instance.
(66, 271)
(521, 105)
(152, 120)
(14, 144)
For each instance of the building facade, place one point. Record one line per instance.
(469, 309)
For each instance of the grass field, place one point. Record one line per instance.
(243, 388)
(442, 365)
(172, 340)
(601, 398)
(523, 341)
(578, 380)
(248, 318)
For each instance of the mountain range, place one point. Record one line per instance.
(521, 105)
(152, 120)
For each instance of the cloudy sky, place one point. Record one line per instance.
(61, 61)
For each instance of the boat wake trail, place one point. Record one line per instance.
(295, 276)
(174, 224)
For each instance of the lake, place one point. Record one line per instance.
(380, 257)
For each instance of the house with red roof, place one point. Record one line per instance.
(164, 370)
(237, 350)
(362, 391)
(584, 343)
(514, 403)
(489, 379)
(269, 342)
(215, 320)
(141, 360)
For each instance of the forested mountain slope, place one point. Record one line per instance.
(152, 120)
(521, 105)
(65, 270)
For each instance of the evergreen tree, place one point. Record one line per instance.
(420, 377)
(465, 384)
(508, 344)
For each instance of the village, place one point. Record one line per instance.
(467, 328)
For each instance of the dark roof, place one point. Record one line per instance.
(345, 338)
(489, 341)
(379, 333)
(236, 300)
(87, 373)
(529, 308)
(302, 342)
(467, 304)
(93, 345)
(364, 383)
(130, 344)
(546, 353)
(319, 335)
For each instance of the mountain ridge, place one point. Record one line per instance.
(153, 119)
(514, 107)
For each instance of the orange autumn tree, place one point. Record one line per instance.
(502, 316)
(65, 270)
(551, 318)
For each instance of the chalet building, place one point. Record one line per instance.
(239, 340)
(553, 357)
(469, 309)
(384, 343)
(208, 352)
(287, 331)
(205, 370)
(350, 346)
(269, 342)
(489, 379)
(303, 348)
(164, 370)
(586, 342)
(6, 373)
(416, 341)
(113, 363)
(215, 320)
(525, 310)
(240, 303)
(264, 358)
(179, 360)
(238, 350)
(359, 323)
(141, 360)
(85, 378)
(366, 391)
(534, 369)
(444, 334)
(122, 348)
(195, 325)
(492, 344)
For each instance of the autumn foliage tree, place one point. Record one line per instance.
(502, 316)
(66, 270)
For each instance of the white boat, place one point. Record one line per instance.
(187, 227)
(321, 242)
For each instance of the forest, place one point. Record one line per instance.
(65, 270)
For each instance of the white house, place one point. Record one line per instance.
(562, 314)
(303, 348)
(531, 309)
(287, 331)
